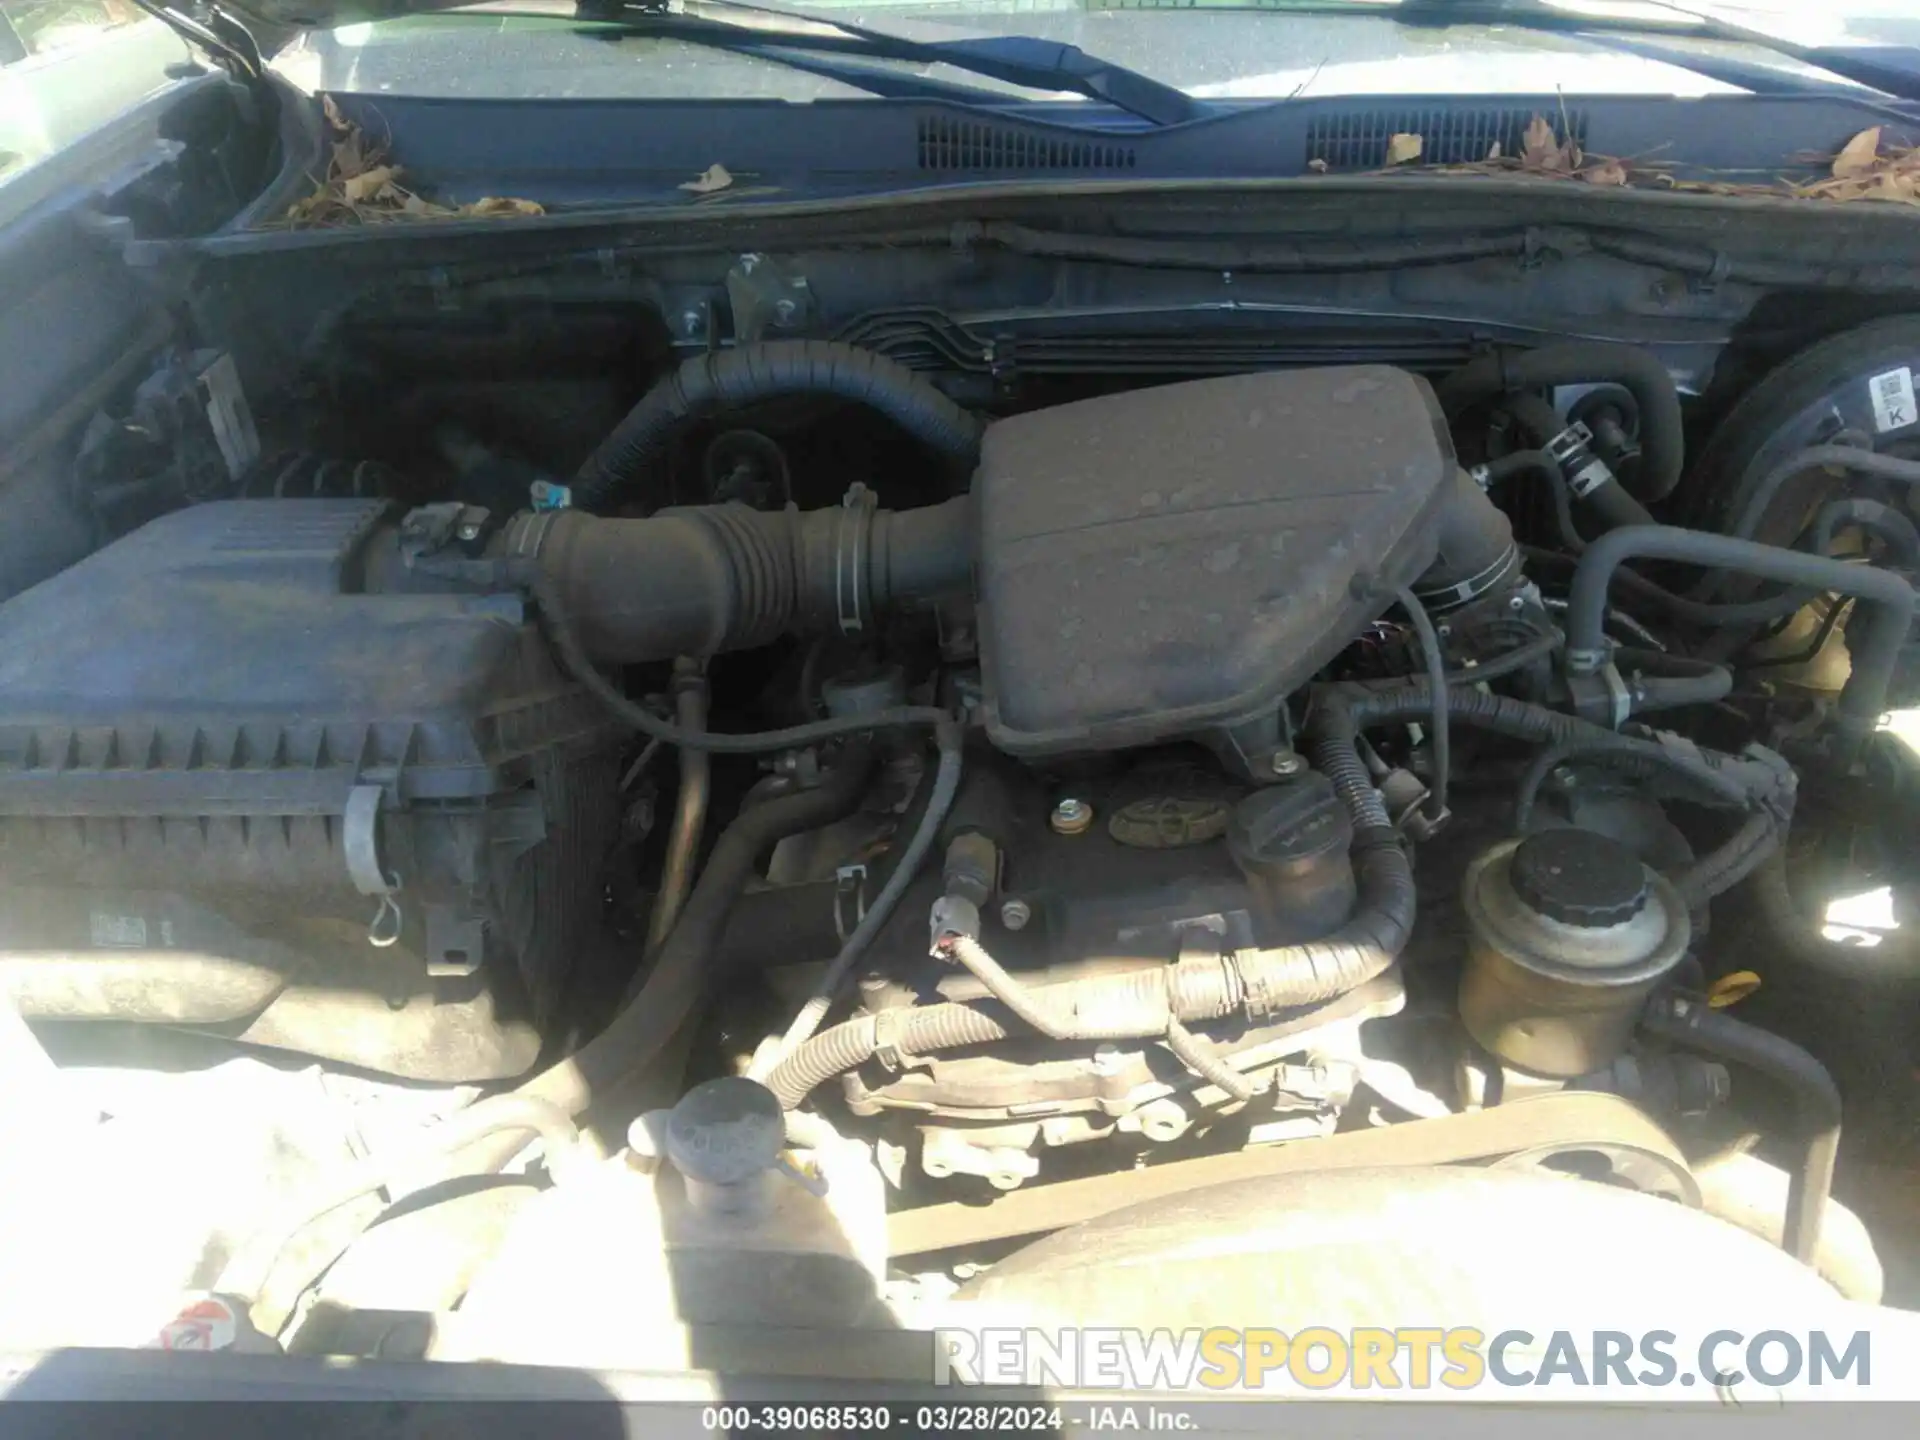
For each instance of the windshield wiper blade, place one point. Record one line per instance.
(1891, 69)
(1021, 60)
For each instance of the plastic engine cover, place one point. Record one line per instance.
(1177, 560)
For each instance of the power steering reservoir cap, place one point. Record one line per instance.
(1579, 878)
(725, 1131)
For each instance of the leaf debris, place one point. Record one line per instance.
(363, 187)
(1867, 167)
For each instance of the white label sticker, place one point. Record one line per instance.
(1892, 394)
(128, 931)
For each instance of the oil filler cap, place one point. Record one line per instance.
(1579, 878)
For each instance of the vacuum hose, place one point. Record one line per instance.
(1888, 599)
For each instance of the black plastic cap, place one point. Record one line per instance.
(1579, 878)
(1286, 824)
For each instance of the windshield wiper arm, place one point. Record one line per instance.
(1021, 60)
(1891, 69)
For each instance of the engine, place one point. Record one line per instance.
(1183, 774)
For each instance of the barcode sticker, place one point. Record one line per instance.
(1893, 405)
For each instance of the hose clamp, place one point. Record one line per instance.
(1572, 451)
(852, 559)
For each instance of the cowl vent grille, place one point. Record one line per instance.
(952, 144)
(1358, 139)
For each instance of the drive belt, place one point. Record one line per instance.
(1529, 1132)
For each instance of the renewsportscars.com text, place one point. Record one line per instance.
(1407, 1358)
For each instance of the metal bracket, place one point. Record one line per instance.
(849, 884)
(456, 941)
(767, 294)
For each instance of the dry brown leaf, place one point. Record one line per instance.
(1607, 172)
(715, 178)
(502, 205)
(368, 185)
(1858, 156)
(1404, 147)
(1540, 149)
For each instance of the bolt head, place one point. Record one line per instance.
(1517, 602)
(1014, 914)
(469, 531)
(1286, 762)
(1072, 816)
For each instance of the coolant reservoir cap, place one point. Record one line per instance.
(1579, 878)
(725, 1131)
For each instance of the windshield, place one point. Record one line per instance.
(1219, 49)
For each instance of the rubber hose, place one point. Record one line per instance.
(681, 973)
(1731, 862)
(946, 785)
(1690, 1022)
(1543, 465)
(1889, 601)
(1662, 436)
(1675, 680)
(1892, 528)
(748, 374)
(1610, 503)
(1616, 749)
(1507, 661)
(1840, 457)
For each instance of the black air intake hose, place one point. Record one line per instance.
(711, 578)
(1146, 1003)
(1662, 440)
(727, 379)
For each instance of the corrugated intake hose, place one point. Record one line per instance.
(710, 578)
(1662, 438)
(749, 374)
(1690, 1022)
(1147, 1003)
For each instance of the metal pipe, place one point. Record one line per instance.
(690, 805)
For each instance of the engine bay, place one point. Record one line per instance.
(772, 865)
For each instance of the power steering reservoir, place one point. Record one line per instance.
(1569, 934)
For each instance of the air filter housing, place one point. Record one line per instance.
(237, 791)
